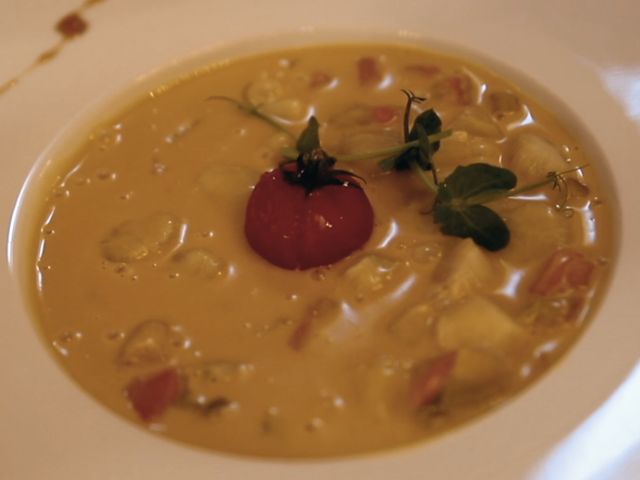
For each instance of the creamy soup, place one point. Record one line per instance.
(152, 298)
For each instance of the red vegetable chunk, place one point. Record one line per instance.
(369, 72)
(430, 383)
(565, 270)
(298, 229)
(151, 396)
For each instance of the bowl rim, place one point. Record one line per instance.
(622, 363)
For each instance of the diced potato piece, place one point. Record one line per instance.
(201, 263)
(536, 228)
(416, 325)
(466, 268)
(477, 368)
(289, 109)
(455, 146)
(379, 383)
(477, 121)
(228, 180)
(502, 102)
(478, 324)
(266, 89)
(147, 344)
(136, 239)
(485, 150)
(320, 315)
(371, 274)
(533, 158)
(461, 148)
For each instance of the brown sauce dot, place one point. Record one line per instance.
(71, 25)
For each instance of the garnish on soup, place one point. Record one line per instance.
(431, 269)
(306, 213)
(281, 236)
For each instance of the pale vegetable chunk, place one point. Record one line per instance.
(201, 263)
(147, 344)
(481, 325)
(462, 148)
(289, 109)
(317, 320)
(503, 103)
(416, 325)
(373, 273)
(475, 368)
(466, 268)
(534, 157)
(136, 239)
(265, 89)
(536, 228)
(477, 121)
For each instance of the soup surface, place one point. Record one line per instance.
(154, 301)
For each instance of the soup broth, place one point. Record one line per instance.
(152, 299)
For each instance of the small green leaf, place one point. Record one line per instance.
(430, 122)
(309, 139)
(459, 210)
(425, 124)
(425, 149)
(472, 180)
(482, 224)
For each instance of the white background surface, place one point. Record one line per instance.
(586, 53)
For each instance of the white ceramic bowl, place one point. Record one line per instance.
(582, 60)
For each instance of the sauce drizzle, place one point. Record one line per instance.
(69, 26)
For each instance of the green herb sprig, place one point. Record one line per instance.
(460, 201)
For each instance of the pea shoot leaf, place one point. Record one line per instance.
(459, 210)
(469, 181)
(425, 124)
(482, 224)
(309, 139)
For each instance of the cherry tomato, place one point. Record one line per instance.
(295, 228)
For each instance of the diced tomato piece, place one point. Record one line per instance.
(564, 270)
(320, 80)
(425, 70)
(429, 384)
(301, 334)
(369, 72)
(384, 113)
(462, 88)
(151, 396)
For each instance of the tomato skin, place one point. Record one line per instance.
(294, 229)
(564, 270)
(151, 396)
